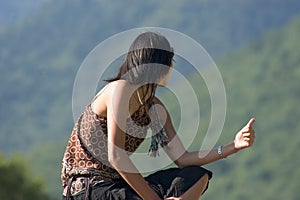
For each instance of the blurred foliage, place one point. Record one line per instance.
(16, 181)
(259, 82)
(40, 54)
(45, 161)
(262, 80)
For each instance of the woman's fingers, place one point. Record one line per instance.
(251, 122)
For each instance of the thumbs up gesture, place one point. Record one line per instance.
(245, 137)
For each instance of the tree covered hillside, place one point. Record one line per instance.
(40, 55)
(261, 80)
(18, 182)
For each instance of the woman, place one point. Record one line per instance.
(96, 163)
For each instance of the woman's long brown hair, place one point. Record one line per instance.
(147, 62)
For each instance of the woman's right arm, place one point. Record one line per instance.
(117, 112)
(177, 152)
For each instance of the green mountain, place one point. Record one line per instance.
(41, 54)
(261, 80)
(13, 11)
(17, 182)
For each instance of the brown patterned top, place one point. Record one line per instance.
(86, 152)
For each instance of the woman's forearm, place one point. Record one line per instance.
(138, 183)
(130, 174)
(205, 157)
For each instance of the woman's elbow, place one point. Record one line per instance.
(180, 162)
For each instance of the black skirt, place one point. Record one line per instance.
(171, 182)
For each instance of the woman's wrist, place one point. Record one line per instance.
(227, 150)
(232, 148)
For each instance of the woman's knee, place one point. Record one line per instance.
(204, 179)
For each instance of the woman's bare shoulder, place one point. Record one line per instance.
(106, 94)
(118, 83)
(112, 87)
(120, 87)
(119, 92)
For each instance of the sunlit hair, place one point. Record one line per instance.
(147, 61)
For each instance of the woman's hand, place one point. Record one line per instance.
(245, 137)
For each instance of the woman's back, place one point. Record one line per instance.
(87, 150)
